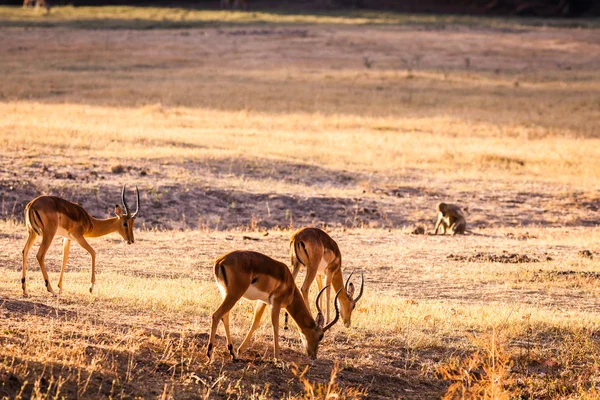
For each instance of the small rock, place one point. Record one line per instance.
(117, 169)
(419, 230)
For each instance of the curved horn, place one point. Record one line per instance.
(348, 281)
(317, 300)
(337, 311)
(123, 200)
(362, 284)
(137, 202)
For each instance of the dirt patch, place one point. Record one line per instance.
(419, 230)
(585, 254)
(568, 274)
(512, 258)
(521, 236)
(266, 32)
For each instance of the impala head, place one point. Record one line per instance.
(313, 337)
(126, 218)
(347, 308)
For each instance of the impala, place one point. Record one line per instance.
(320, 254)
(48, 216)
(254, 276)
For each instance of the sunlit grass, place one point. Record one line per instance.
(212, 125)
(118, 17)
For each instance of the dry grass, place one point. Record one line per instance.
(171, 18)
(243, 129)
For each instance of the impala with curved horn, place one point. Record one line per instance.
(254, 276)
(48, 216)
(321, 255)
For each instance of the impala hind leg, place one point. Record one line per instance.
(41, 255)
(222, 313)
(83, 243)
(66, 248)
(28, 244)
(259, 309)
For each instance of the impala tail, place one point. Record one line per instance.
(33, 220)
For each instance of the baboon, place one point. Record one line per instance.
(450, 217)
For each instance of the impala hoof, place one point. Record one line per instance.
(231, 352)
(209, 351)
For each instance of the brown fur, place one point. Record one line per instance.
(243, 273)
(73, 211)
(450, 218)
(47, 216)
(310, 246)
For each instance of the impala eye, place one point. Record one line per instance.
(125, 224)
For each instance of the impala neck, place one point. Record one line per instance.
(300, 313)
(103, 226)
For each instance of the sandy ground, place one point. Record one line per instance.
(201, 124)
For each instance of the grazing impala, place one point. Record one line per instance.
(47, 216)
(321, 255)
(255, 276)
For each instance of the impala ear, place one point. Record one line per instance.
(118, 211)
(351, 291)
(320, 320)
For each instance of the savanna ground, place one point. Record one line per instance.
(255, 124)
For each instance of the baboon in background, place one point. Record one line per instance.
(450, 217)
(237, 4)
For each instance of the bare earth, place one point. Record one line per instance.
(245, 132)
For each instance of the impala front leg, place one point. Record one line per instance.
(225, 320)
(296, 265)
(275, 309)
(328, 280)
(66, 248)
(259, 309)
(83, 243)
(311, 273)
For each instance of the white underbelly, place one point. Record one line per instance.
(63, 233)
(322, 265)
(252, 293)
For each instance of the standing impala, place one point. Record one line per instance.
(321, 255)
(255, 276)
(47, 216)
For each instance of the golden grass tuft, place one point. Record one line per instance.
(484, 374)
